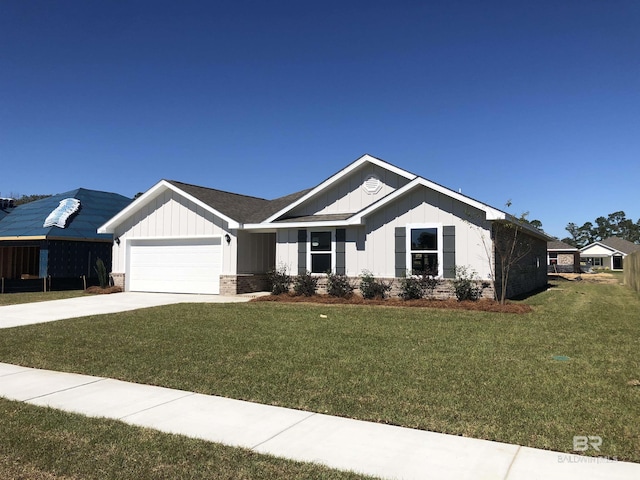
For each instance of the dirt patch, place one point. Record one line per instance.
(606, 278)
(480, 305)
(100, 291)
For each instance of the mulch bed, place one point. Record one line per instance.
(100, 291)
(480, 305)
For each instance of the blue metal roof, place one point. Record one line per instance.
(95, 209)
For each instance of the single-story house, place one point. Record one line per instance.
(562, 257)
(370, 216)
(608, 253)
(56, 237)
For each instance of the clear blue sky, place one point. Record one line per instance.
(533, 102)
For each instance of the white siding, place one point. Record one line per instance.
(287, 250)
(596, 251)
(170, 215)
(348, 196)
(422, 205)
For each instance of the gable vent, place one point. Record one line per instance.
(59, 217)
(372, 185)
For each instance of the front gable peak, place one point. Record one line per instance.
(367, 175)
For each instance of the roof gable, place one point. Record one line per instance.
(334, 179)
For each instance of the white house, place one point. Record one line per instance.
(608, 253)
(370, 216)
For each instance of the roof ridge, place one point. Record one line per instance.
(218, 190)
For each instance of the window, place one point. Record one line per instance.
(321, 251)
(553, 258)
(594, 261)
(425, 249)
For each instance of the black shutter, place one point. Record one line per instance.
(449, 251)
(302, 252)
(401, 251)
(341, 237)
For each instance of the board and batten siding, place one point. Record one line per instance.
(373, 246)
(348, 194)
(170, 215)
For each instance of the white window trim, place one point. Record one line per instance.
(333, 249)
(440, 228)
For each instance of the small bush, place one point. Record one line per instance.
(370, 287)
(305, 284)
(465, 285)
(339, 285)
(411, 288)
(414, 287)
(280, 280)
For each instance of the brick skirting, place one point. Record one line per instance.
(248, 283)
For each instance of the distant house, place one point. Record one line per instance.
(608, 253)
(56, 237)
(6, 206)
(562, 258)
(370, 216)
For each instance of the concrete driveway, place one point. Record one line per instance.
(50, 311)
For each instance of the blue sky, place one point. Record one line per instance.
(533, 102)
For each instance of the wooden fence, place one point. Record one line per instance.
(632, 271)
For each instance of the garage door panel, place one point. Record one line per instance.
(180, 266)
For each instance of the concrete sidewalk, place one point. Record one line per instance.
(40, 312)
(381, 450)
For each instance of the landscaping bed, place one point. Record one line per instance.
(482, 305)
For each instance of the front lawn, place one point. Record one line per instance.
(30, 297)
(478, 374)
(39, 444)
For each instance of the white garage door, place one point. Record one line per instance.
(176, 266)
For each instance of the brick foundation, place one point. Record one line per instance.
(247, 283)
(117, 279)
(443, 290)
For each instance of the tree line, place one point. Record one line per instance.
(22, 199)
(616, 224)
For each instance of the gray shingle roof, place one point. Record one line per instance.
(326, 217)
(620, 244)
(558, 245)
(242, 208)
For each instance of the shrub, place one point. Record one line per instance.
(101, 270)
(465, 285)
(411, 288)
(305, 284)
(339, 285)
(280, 280)
(414, 287)
(370, 287)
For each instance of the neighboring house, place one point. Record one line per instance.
(6, 206)
(562, 258)
(56, 237)
(370, 216)
(608, 253)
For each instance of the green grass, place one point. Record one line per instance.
(39, 443)
(476, 374)
(30, 297)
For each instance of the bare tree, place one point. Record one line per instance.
(510, 246)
